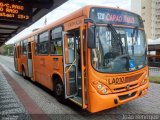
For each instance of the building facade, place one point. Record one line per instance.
(155, 29)
(150, 12)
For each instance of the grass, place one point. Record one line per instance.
(154, 79)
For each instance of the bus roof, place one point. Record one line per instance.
(78, 13)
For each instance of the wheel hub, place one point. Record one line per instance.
(59, 89)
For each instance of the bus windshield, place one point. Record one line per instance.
(119, 50)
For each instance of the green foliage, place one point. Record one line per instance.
(9, 48)
(155, 79)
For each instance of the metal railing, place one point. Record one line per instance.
(154, 69)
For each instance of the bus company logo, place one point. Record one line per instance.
(127, 87)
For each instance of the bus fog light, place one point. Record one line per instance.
(104, 91)
(99, 86)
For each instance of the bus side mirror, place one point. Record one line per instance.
(91, 33)
(91, 38)
(88, 20)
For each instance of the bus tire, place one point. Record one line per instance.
(59, 90)
(23, 73)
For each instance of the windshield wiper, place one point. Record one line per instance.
(116, 36)
(135, 31)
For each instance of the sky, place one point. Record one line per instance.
(67, 8)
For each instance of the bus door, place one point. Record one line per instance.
(70, 66)
(29, 59)
(74, 66)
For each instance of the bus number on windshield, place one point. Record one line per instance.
(101, 16)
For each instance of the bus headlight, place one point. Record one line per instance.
(101, 88)
(146, 75)
(143, 81)
(104, 91)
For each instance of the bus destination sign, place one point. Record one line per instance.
(112, 16)
(14, 11)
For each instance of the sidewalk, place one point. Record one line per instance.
(15, 103)
(10, 106)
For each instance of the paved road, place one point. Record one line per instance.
(150, 104)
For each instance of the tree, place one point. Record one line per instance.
(7, 49)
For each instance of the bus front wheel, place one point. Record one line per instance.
(59, 90)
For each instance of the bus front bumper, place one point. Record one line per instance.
(101, 102)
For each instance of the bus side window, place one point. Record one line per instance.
(19, 50)
(43, 43)
(36, 44)
(21, 47)
(24, 47)
(56, 41)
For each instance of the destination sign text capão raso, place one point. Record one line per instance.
(114, 16)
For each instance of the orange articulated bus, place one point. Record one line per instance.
(95, 57)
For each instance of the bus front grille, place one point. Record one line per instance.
(128, 80)
(122, 89)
